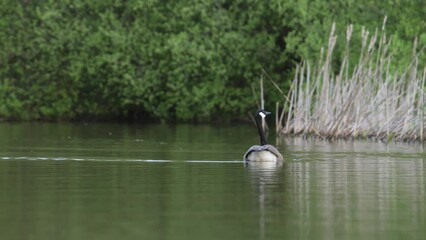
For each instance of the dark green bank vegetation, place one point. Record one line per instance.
(174, 60)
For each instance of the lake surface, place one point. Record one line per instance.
(118, 181)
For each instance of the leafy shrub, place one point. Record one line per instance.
(169, 60)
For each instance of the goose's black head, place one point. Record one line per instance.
(262, 113)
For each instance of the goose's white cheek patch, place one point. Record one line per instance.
(262, 114)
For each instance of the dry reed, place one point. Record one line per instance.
(372, 101)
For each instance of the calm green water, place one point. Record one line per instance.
(103, 181)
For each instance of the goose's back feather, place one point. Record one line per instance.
(263, 153)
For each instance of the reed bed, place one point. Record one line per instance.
(369, 100)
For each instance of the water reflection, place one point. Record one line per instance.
(366, 189)
(196, 187)
(265, 179)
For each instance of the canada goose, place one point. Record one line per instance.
(263, 152)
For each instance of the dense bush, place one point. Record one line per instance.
(168, 60)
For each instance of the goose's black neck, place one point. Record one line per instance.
(262, 136)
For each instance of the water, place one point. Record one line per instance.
(113, 181)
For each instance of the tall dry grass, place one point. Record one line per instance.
(370, 101)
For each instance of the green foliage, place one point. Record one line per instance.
(170, 60)
(405, 22)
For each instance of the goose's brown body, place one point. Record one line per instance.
(263, 152)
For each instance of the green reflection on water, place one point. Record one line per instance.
(325, 190)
